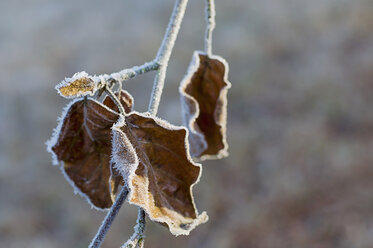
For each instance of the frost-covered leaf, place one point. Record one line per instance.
(82, 144)
(204, 101)
(81, 84)
(153, 157)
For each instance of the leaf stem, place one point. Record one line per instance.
(164, 53)
(210, 20)
(100, 236)
(115, 99)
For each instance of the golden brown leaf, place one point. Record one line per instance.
(79, 85)
(82, 142)
(154, 160)
(204, 100)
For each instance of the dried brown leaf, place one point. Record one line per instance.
(204, 101)
(154, 160)
(81, 84)
(82, 144)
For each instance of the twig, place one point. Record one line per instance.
(137, 239)
(123, 75)
(210, 20)
(164, 53)
(100, 236)
(126, 74)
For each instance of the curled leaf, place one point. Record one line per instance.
(82, 145)
(81, 84)
(153, 157)
(204, 101)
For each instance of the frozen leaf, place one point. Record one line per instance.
(204, 101)
(82, 142)
(153, 157)
(81, 84)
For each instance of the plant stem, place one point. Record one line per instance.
(115, 100)
(210, 20)
(141, 226)
(137, 239)
(126, 74)
(164, 53)
(100, 236)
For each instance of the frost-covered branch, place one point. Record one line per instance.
(126, 74)
(164, 53)
(104, 228)
(210, 20)
(137, 239)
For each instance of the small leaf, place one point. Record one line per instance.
(82, 144)
(81, 84)
(204, 101)
(153, 157)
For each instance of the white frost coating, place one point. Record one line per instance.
(126, 163)
(78, 76)
(210, 20)
(128, 173)
(197, 137)
(53, 141)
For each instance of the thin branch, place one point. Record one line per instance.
(210, 20)
(137, 239)
(100, 236)
(164, 53)
(126, 74)
(123, 75)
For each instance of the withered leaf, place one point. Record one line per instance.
(81, 84)
(204, 101)
(82, 144)
(153, 157)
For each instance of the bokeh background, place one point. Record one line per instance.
(300, 120)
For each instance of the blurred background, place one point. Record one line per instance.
(300, 118)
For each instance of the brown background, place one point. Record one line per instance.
(300, 124)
